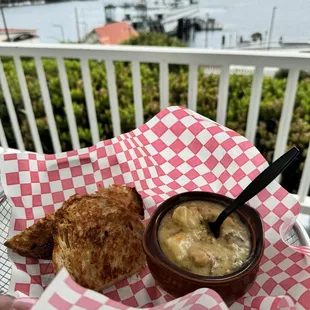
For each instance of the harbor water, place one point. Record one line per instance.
(239, 18)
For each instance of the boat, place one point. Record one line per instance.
(19, 35)
(294, 44)
(210, 25)
(170, 19)
(162, 14)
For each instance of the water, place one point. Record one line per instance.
(244, 17)
(239, 17)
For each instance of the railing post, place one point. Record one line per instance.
(11, 109)
(137, 93)
(192, 87)
(164, 85)
(68, 103)
(116, 123)
(223, 96)
(4, 142)
(90, 103)
(256, 92)
(304, 185)
(28, 106)
(48, 105)
(287, 113)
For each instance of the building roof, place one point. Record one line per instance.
(17, 30)
(115, 33)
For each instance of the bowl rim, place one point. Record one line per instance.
(247, 267)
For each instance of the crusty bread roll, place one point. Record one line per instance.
(98, 242)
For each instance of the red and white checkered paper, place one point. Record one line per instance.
(176, 151)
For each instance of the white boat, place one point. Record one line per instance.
(165, 13)
(294, 44)
(170, 18)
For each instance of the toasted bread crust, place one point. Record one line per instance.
(98, 242)
(127, 197)
(36, 241)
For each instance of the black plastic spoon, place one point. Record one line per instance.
(258, 184)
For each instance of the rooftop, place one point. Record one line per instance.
(17, 30)
(115, 33)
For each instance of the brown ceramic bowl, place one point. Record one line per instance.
(178, 282)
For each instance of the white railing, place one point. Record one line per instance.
(164, 57)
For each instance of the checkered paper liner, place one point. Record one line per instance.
(176, 151)
(73, 295)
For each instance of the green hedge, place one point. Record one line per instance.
(154, 39)
(238, 102)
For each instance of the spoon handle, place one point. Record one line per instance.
(260, 182)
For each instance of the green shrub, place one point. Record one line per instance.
(154, 39)
(283, 74)
(238, 102)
